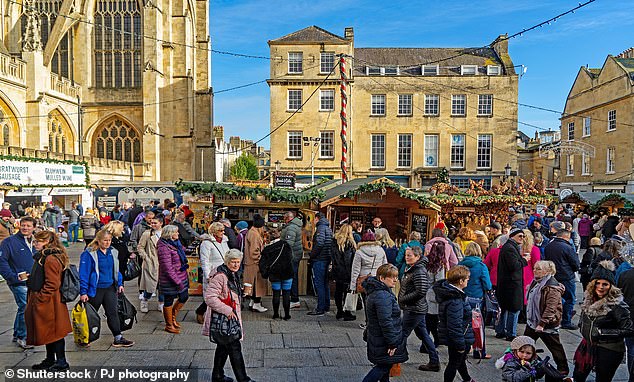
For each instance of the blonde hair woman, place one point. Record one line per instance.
(212, 249)
(120, 239)
(465, 236)
(532, 254)
(342, 256)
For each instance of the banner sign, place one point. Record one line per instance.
(51, 174)
(284, 180)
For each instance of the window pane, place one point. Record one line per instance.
(378, 150)
(327, 149)
(405, 104)
(294, 99)
(485, 104)
(295, 144)
(327, 62)
(458, 104)
(571, 131)
(431, 150)
(378, 104)
(404, 150)
(431, 104)
(295, 60)
(457, 150)
(327, 100)
(484, 150)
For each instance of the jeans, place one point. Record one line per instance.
(569, 301)
(477, 302)
(553, 343)
(320, 282)
(605, 364)
(233, 351)
(379, 373)
(457, 362)
(108, 298)
(507, 325)
(73, 232)
(295, 288)
(19, 325)
(416, 322)
(629, 343)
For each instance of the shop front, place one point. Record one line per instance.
(109, 195)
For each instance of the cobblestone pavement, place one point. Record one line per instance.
(302, 349)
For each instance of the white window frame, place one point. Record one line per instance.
(609, 162)
(294, 134)
(290, 107)
(375, 146)
(611, 120)
(373, 71)
(586, 164)
(484, 151)
(435, 68)
(571, 131)
(432, 100)
(327, 144)
(297, 61)
(405, 101)
(375, 104)
(485, 105)
(468, 70)
(494, 70)
(393, 71)
(570, 165)
(587, 126)
(455, 99)
(429, 149)
(323, 99)
(322, 62)
(404, 151)
(457, 152)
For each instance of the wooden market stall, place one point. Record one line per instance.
(595, 201)
(400, 209)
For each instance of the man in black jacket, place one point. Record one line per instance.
(510, 285)
(230, 233)
(561, 252)
(626, 284)
(320, 258)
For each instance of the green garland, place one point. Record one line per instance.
(402, 191)
(469, 200)
(272, 194)
(48, 160)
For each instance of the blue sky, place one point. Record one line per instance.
(552, 54)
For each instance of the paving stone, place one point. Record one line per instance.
(257, 327)
(148, 342)
(259, 374)
(292, 358)
(158, 358)
(191, 341)
(344, 357)
(295, 326)
(356, 337)
(263, 341)
(10, 360)
(322, 340)
(333, 373)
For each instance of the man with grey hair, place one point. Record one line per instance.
(230, 233)
(292, 234)
(185, 230)
(562, 253)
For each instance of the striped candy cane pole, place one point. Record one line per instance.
(344, 119)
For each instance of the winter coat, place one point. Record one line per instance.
(560, 252)
(368, 258)
(454, 312)
(585, 227)
(550, 305)
(609, 228)
(278, 255)
(121, 245)
(491, 261)
(479, 280)
(510, 288)
(607, 321)
(172, 278)
(50, 217)
(451, 257)
(89, 270)
(527, 272)
(6, 230)
(342, 262)
(586, 266)
(15, 257)
(292, 234)
(514, 371)
(242, 239)
(462, 243)
(212, 254)
(400, 258)
(626, 284)
(218, 289)
(186, 233)
(384, 324)
(414, 287)
(46, 316)
(232, 239)
(148, 281)
(254, 243)
(89, 224)
(322, 242)
(136, 234)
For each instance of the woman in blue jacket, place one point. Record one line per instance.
(100, 281)
(479, 283)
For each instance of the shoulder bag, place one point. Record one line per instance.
(361, 279)
(224, 330)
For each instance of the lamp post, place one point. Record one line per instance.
(277, 165)
(507, 172)
(314, 141)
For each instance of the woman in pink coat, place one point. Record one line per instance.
(532, 254)
(223, 295)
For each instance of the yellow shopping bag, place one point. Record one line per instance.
(86, 323)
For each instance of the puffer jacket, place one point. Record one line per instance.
(414, 287)
(384, 324)
(550, 305)
(342, 262)
(292, 234)
(479, 280)
(368, 258)
(322, 242)
(172, 275)
(454, 312)
(607, 321)
(514, 371)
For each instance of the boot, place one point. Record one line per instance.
(169, 320)
(347, 316)
(286, 303)
(258, 308)
(175, 309)
(276, 304)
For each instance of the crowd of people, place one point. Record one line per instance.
(505, 274)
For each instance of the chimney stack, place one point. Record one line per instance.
(628, 53)
(349, 33)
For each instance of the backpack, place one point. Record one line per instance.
(70, 284)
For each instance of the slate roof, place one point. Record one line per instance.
(312, 33)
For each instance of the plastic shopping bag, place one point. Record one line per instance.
(86, 323)
(350, 305)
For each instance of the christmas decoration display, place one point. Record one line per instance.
(382, 185)
(48, 160)
(272, 194)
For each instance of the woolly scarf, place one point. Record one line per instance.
(181, 252)
(533, 300)
(234, 279)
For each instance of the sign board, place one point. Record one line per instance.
(419, 224)
(29, 191)
(563, 194)
(369, 198)
(464, 210)
(107, 201)
(68, 191)
(54, 174)
(284, 180)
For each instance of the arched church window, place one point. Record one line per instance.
(58, 135)
(5, 135)
(117, 140)
(48, 11)
(118, 41)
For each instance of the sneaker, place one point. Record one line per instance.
(59, 366)
(296, 305)
(22, 343)
(430, 367)
(143, 307)
(362, 326)
(160, 307)
(141, 296)
(43, 365)
(500, 336)
(258, 308)
(122, 343)
(15, 339)
(317, 313)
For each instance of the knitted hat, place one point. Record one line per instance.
(515, 231)
(495, 225)
(4, 213)
(258, 221)
(242, 225)
(520, 341)
(605, 271)
(440, 225)
(368, 236)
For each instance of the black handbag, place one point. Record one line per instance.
(132, 271)
(222, 329)
(126, 312)
(549, 370)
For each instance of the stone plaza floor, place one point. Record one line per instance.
(303, 349)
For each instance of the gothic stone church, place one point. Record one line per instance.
(121, 84)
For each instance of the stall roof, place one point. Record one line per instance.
(352, 187)
(597, 198)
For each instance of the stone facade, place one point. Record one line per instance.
(598, 116)
(96, 88)
(392, 130)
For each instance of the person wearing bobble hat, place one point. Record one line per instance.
(605, 321)
(510, 284)
(253, 245)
